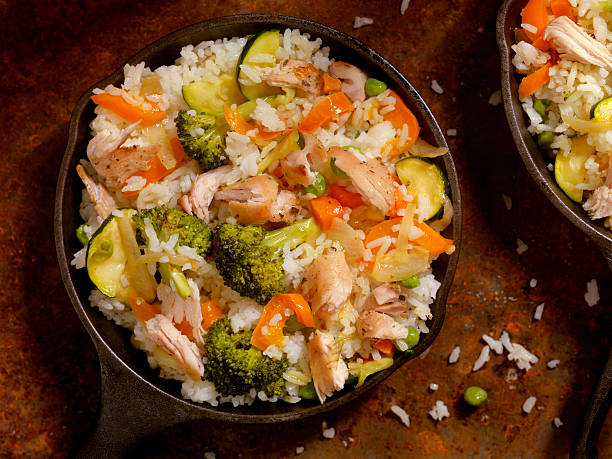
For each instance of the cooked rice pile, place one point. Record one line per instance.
(206, 61)
(573, 89)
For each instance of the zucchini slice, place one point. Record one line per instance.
(602, 110)
(570, 171)
(266, 42)
(293, 141)
(424, 180)
(209, 97)
(106, 260)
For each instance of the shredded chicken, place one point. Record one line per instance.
(370, 176)
(573, 43)
(163, 333)
(374, 324)
(386, 299)
(599, 204)
(297, 165)
(115, 163)
(329, 372)
(285, 207)
(203, 191)
(328, 283)
(353, 80)
(179, 309)
(250, 200)
(293, 73)
(102, 200)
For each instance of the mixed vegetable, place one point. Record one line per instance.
(381, 214)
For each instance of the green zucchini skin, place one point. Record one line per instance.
(260, 90)
(423, 177)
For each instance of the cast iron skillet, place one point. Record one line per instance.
(585, 443)
(135, 401)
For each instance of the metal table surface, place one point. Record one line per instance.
(49, 382)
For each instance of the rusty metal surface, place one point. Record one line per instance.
(49, 383)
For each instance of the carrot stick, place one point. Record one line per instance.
(345, 197)
(562, 8)
(385, 346)
(402, 115)
(210, 314)
(323, 112)
(325, 209)
(331, 84)
(432, 240)
(141, 309)
(238, 124)
(130, 112)
(535, 14)
(534, 81)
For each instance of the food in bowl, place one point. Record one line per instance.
(563, 48)
(263, 218)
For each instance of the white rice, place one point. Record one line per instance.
(592, 293)
(433, 387)
(404, 6)
(451, 132)
(454, 355)
(494, 344)
(495, 98)
(529, 404)
(537, 315)
(557, 422)
(401, 414)
(361, 22)
(521, 247)
(533, 283)
(553, 363)
(482, 359)
(328, 433)
(299, 450)
(507, 201)
(439, 411)
(435, 86)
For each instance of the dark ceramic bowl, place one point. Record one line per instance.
(135, 400)
(585, 444)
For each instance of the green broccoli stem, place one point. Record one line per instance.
(295, 234)
(173, 273)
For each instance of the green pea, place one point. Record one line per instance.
(374, 87)
(410, 282)
(545, 139)
(411, 340)
(308, 392)
(475, 395)
(540, 106)
(336, 170)
(81, 236)
(318, 187)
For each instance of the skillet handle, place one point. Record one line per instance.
(130, 410)
(585, 443)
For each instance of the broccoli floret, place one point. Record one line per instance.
(246, 265)
(250, 259)
(202, 139)
(235, 367)
(192, 231)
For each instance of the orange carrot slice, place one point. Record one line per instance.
(535, 14)
(331, 84)
(130, 112)
(402, 115)
(345, 197)
(141, 309)
(562, 8)
(534, 81)
(323, 112)
(325, 209)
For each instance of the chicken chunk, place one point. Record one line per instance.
(329, 372)
(573, 43)
(386, 299)
(293, 73)
(115, 163)
(163, 333)
(285, 208)
(297, 166)
(353, 80)
(374, 324)
(102, 200)
(370, 176)
(250, 200)
(179, 309)
(328, 283)
(202, 192)
(599, 204)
